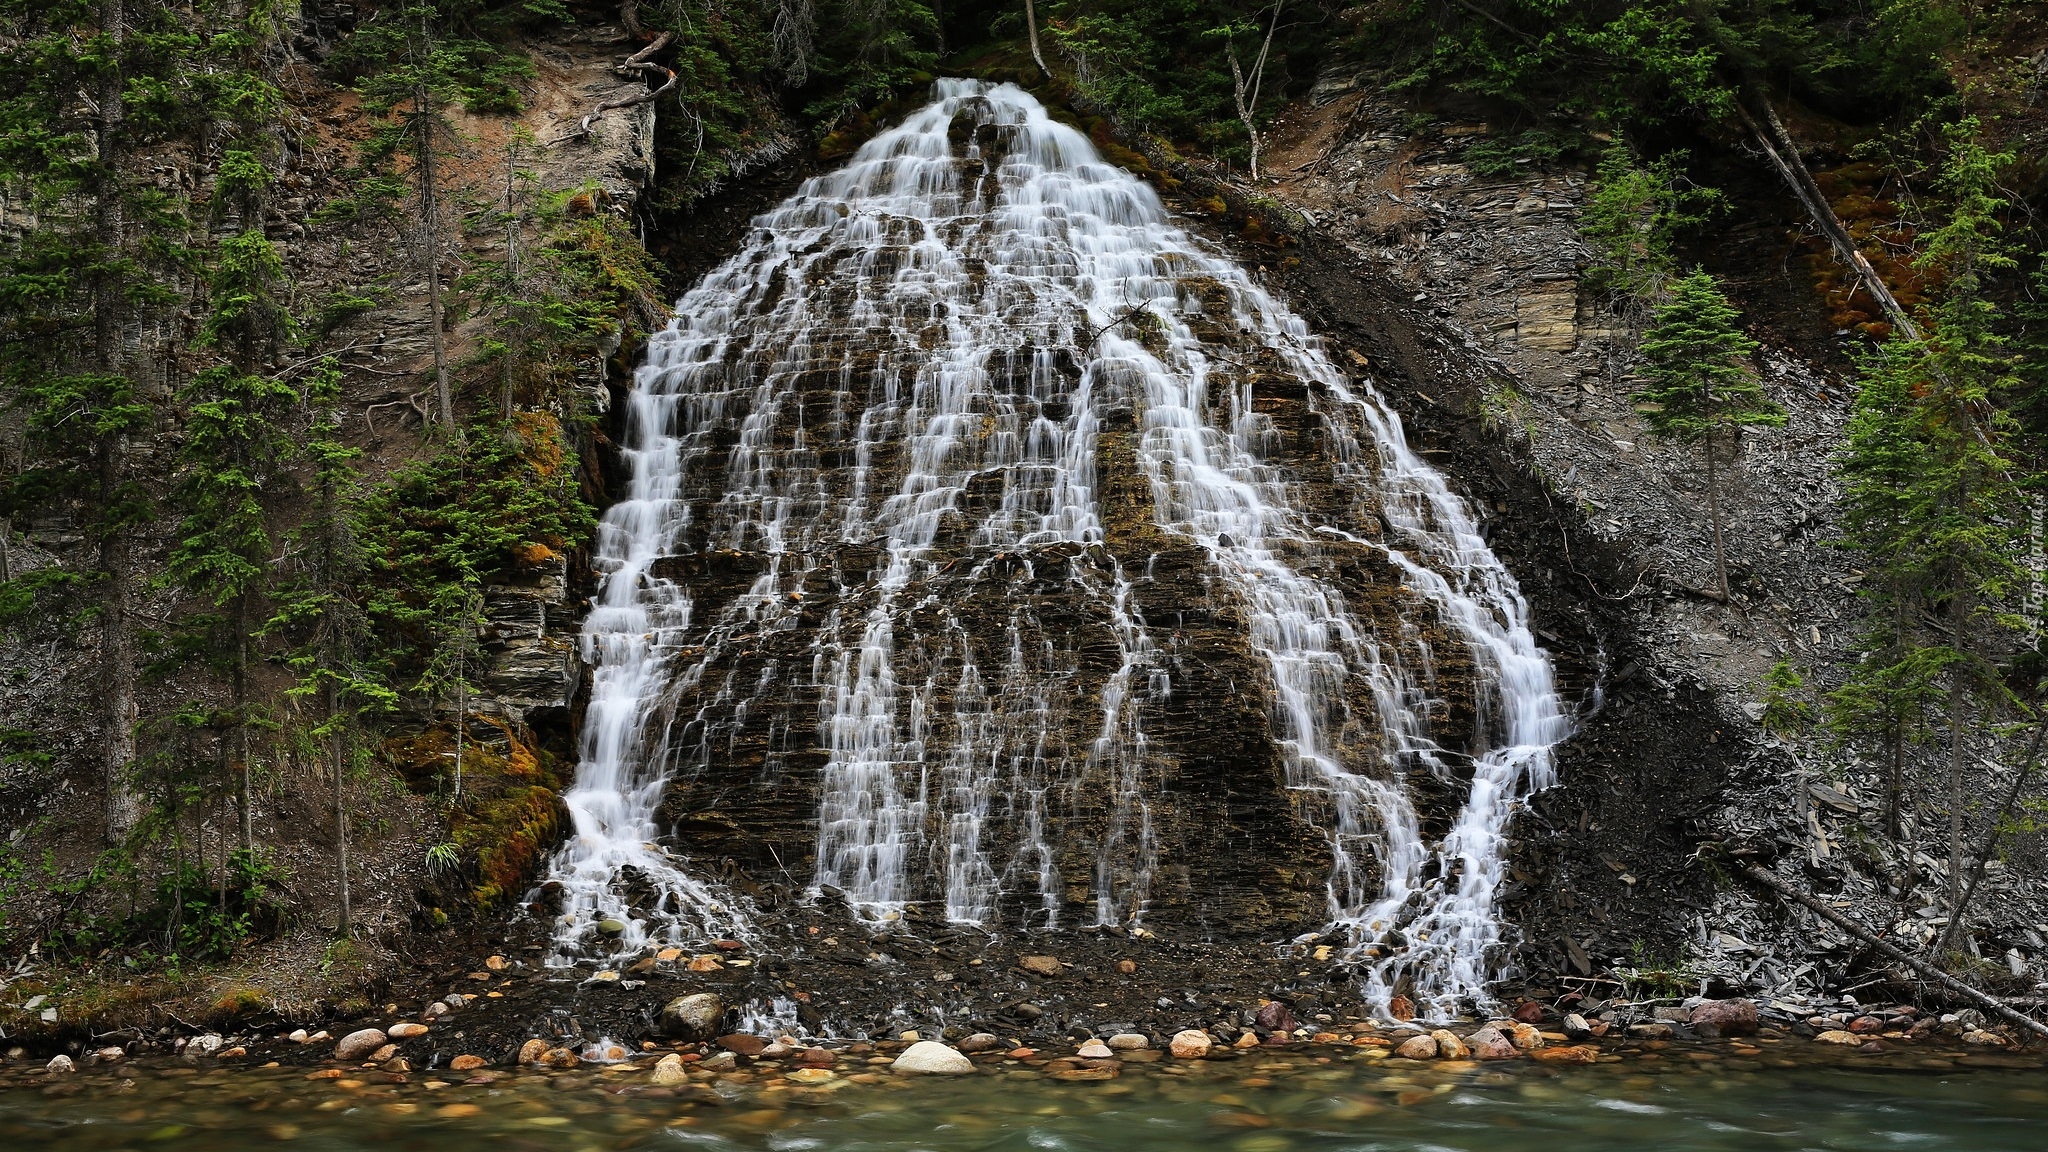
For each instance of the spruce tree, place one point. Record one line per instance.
(1700, 384)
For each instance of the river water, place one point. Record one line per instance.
(1676, 1100)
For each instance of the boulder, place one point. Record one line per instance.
(692, 1017)
(932, 1058)
(1731, 1017)
(1192, 1044)
(1449, 1046)
(1490, 1044)
(1274, 1016)
(358, 1044)
(1417, 1048)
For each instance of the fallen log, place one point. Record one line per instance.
(1887, 949)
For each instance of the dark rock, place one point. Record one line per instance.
(1727, 1017)
(693, 1017)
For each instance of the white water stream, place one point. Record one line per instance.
(981, 292)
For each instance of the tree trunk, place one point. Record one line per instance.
(1031, 24)
(1989, 842)
(337, 753)
(1714, 516)
(116, 561)
(1895, 785)
(1958, 719)
(430, 241)
(239, 687)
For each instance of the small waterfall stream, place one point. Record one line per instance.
(921, 374)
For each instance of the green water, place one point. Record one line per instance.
(1279, 1104)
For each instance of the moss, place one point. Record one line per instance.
(238, 1001)
(506, 821)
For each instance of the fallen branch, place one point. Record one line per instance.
(1889, 950)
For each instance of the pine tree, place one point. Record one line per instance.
(1700, 385)
(319, 614)
(234, 448)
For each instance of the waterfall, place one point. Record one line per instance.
(907, 383)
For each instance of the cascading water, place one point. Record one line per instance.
(904, 386)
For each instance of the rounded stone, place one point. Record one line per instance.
(407, 1030)
(1129, 1042)
(932, 1058)
(360, 1043)
(1417, 1048)
(1193, 1044)
(692, 1017)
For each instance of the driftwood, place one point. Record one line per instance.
(638, 64)
(1891, 951)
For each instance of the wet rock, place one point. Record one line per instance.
(1657, 1030)
(1530, 1012)
(359, 1044)
(60, 1063)
(933, 1058)
(1489, 1044)
(669, 1071)
(1401, 1008)
(719, 1062)
(532, 1051)
(743, 1044)
(1129, 1042)
(465, 1063)
(1040, 965)
(407, 1031)
(1731, 1017)
(1127, 967)
(1568, 1054)
(1449, 1046)
(298, 1036)
(692, 1017)
(813, 1076)
(1191, 1044)
(498, 963)
(1866, 1025)
(1274, 1016)
(1525, 1036)
(1417, 1048)
(396, 1064)
(612, 927)
(384, 1053)
(705, 963)
(1247, 1040)
(1575, 1026)
(1095, 1050)
(235, 1053)
(1984, 1039)
(980, 1042)
(204, 1044)
(1838, 1036)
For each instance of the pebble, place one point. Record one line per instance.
(1653, 1031)
(1095, 1050)
(532, 1051)
(705, 963)
(812, 1076)
(1040, 965)
(407, 1030)
(60, 1063)
(359, 1044)
(1735, 1017)
(932, 1057)
(1575, 1026)
(743, 1044)
(1573, 1054)
(204, 1044)
(109, 1055)
(982, 1042)
(298, 1036)
(497, 963)
(720, 1062)
(669, 1071)
(465, 1063)
(1836, 1036)
(1129, 1042)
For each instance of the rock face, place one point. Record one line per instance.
(693, 1017)
(932, 1058)
(359, 1044)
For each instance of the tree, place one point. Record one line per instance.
(1700, 385)
(1246, 90)
(234, 448)
(317, 611)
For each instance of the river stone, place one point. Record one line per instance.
(205, 1044)
(930, 1056)
(465, 1063)
(358, 1044)
(1980, 1037)
(407, 1030)
(1530, 1012)
(1449, 1046)
(1417, 1048)
(1274, 1016)
(1039, 965)
(812, 1076)
(719, 1062)
(1732, 1017)
(980, 1042)
(1095, 1050)
(1837, 1036)
(1489, 1044)
(532, 1051)
(109, 1055)
(1575, 1026)
(612, 927)
(1570, 1054)
(670, 1071)
(1192, 1044)
(1654, 1031)
(60, 1063)
(692, 1017)
(1129, 1042)
(1525, 1036)
(743, 1044)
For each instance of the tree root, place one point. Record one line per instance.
(637, 64)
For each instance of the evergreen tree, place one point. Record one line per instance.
(1700, 385)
